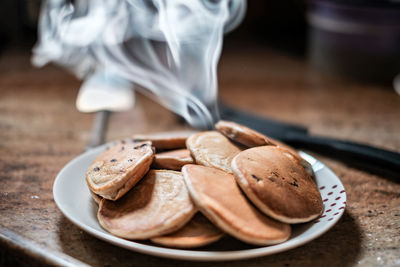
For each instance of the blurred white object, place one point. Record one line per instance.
(105, 91)
(396, 83)
(170, 48)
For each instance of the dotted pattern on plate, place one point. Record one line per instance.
(333, 198)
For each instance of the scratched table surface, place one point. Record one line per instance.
(41, 131)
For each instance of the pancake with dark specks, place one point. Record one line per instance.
(212, 149)
(119, 168)
(273, 179)
(198, 232)
(219, 198)
(158, 205)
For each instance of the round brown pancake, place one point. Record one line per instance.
(172, 160)
(277, 184)
(119, 168)
(242, 134)
(251, 138)
(165, 140)
(219, 198)
(158, 205)
(212, 149)
(196, 233)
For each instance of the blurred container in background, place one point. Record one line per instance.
(354, 38)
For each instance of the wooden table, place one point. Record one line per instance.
(40, 131)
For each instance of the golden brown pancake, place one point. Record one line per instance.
(277, 184)
(172, 160)
(119, 168)
(165, 140)
(198, 232)
(158, 205)
(242, 134)
(219, 198)
(251, 138)
(212, 149)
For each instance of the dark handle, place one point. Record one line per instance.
(358, 152)
(97, 136)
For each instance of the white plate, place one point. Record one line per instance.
(72, 197)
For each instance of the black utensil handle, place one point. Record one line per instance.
(99, 129)
(356, 151)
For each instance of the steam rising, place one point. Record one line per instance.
(170, 48)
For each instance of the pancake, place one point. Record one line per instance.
(95, 197)
(277, 184)
(119, 168)
(196, 233)
(165, 140)
(219, 198)
(172, 160)
(212, 149)
(251, 138)
(158, 205)
(242, 134)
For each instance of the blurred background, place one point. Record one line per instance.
(357, 39)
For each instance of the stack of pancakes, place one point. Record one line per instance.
(187, 189)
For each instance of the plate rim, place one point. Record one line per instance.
(186, 254)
